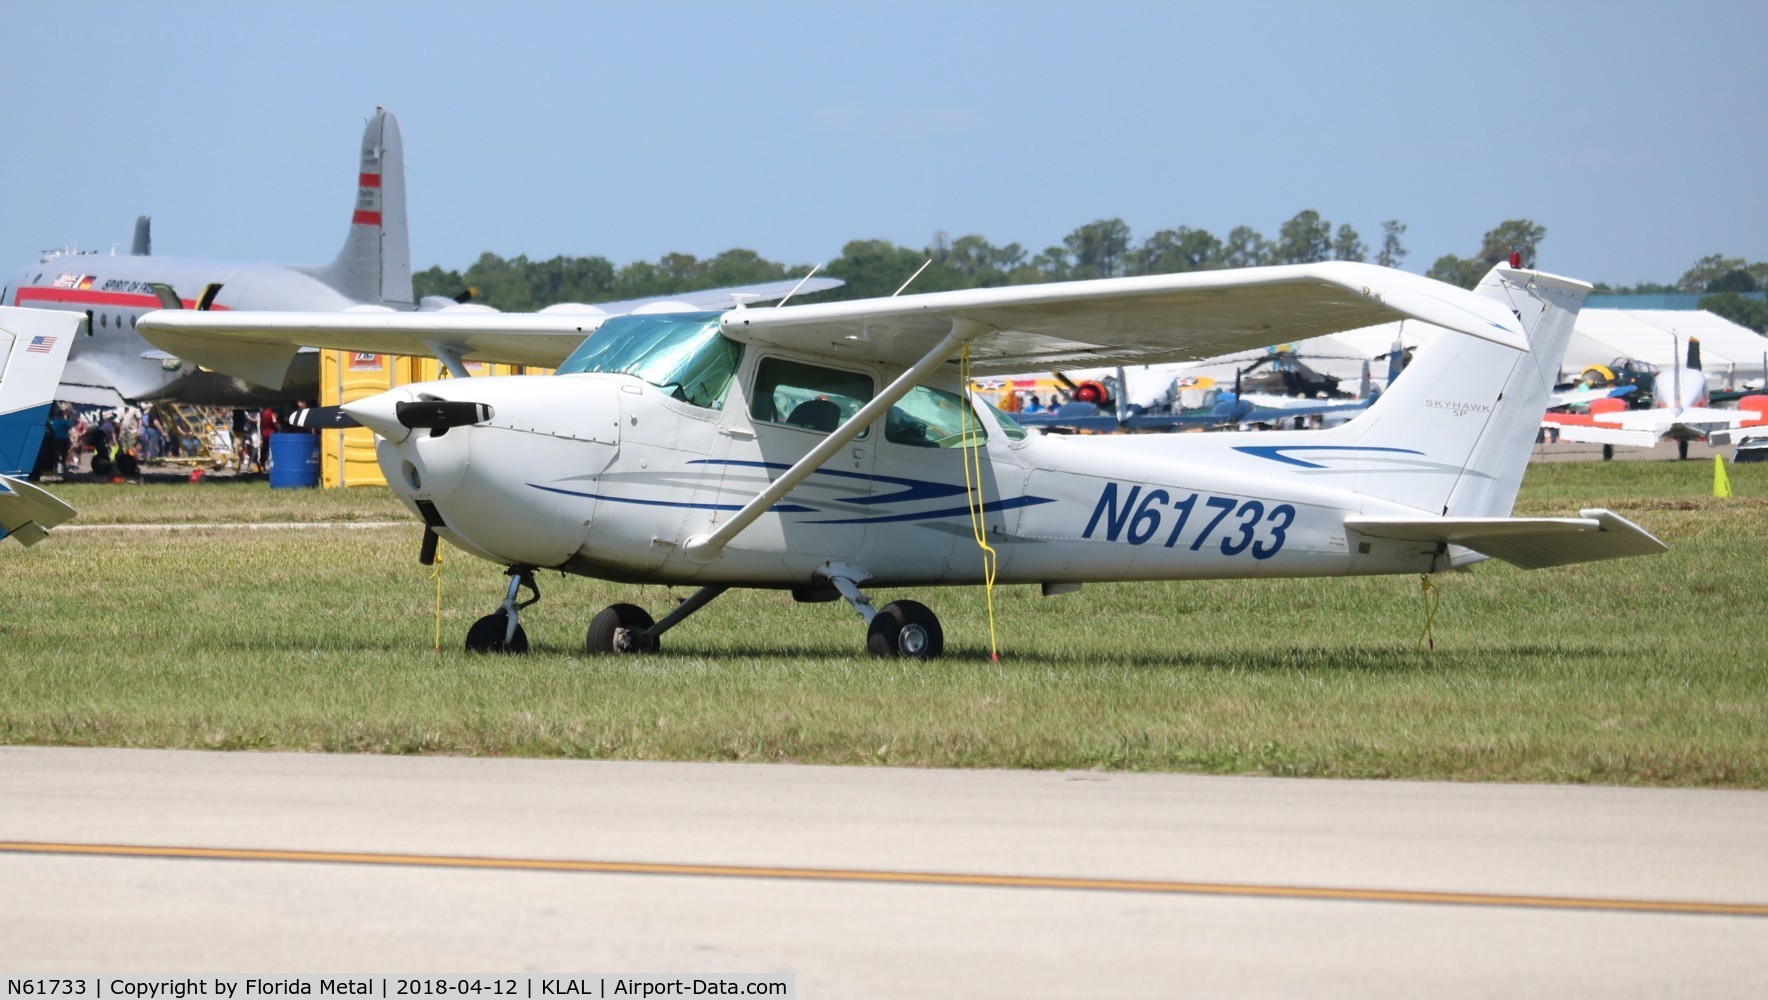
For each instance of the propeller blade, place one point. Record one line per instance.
(322, 418)
(441, 414)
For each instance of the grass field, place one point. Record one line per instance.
(1643, 671)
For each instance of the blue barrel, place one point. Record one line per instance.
(294, 461)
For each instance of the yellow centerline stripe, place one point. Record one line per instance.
(955, 879)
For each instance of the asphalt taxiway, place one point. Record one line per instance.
(876, 882)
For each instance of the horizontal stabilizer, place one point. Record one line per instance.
(1528, 542)
(27, 512)
(1605, 435)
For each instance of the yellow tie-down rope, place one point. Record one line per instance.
(437, 576)
(974, 500)
(1432, 597)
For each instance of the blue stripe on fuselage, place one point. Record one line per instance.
(912, 490)
(1272, 452)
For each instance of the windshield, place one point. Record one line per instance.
(681, 353)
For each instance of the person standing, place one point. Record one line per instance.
(61, 428)
(242, 439)
(267, 425)
(150, 437)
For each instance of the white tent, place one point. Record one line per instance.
(1729, 354)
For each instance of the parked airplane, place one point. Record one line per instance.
(33, 347)
(1230, 409)
(822, 448)
(373, 269)
(1679, 411)
(112, 362)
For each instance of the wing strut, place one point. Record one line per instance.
(450, 356)
(703, 548)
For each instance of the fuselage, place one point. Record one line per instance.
(608, 470)
(110, 360)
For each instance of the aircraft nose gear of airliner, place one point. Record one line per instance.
(501, 630)
(900, 628)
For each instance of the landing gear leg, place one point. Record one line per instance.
(501, 631)
(901, 628)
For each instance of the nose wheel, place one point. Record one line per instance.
(501, 630)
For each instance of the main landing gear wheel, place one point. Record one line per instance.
(488, 636)
(905, 628)
(620, 628)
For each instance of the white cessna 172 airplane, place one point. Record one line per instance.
(827, 447)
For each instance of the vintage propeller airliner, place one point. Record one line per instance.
(830, 447)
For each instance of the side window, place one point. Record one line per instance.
(1009, 426)
(806, 396)
(933, 418)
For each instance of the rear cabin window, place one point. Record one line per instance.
(807, 396)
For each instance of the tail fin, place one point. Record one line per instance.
(1452, 434)
(33, 349)
(375, 264)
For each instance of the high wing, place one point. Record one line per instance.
(259, 346)
(1142, 320)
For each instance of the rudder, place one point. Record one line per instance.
(1452, 434)
(374, 265)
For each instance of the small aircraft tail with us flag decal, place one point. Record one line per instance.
(33, 349)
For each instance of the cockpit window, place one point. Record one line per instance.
(807, 396)
(684, 354)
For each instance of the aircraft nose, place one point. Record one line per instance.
(380, 414)
(394, 415)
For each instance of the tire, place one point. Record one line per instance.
(618, 628)
(905, 629)
(486, 636)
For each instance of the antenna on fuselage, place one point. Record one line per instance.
(912, 277)
(801, 282)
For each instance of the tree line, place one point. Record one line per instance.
(1101, 249)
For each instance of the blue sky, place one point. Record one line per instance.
(1635, 133)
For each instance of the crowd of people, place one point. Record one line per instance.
(114, 443)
